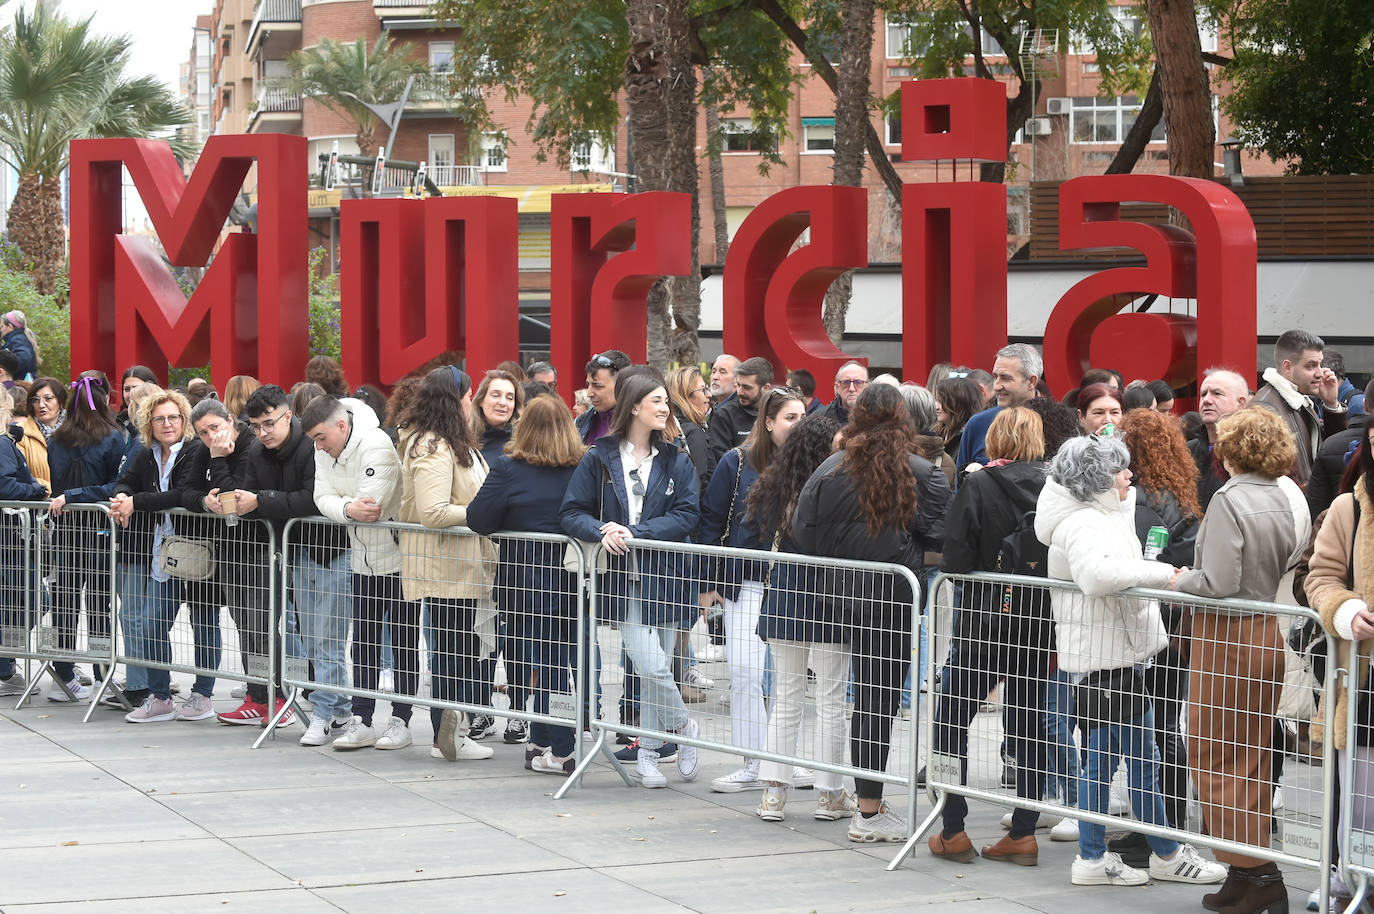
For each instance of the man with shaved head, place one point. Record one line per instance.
(1221, 393)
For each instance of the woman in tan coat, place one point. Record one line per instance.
(47, 403)
(1340, 586)
(441, 472)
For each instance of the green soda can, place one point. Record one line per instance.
(1156, 541)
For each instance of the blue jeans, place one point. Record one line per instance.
(147, 612)
(1062, 757)
(650, 648)
(1107, 744)
(929, 574)
(324, 604)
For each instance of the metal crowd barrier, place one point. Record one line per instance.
(1004, 641)
(871, 610)
(452, 605)
(18, 576)
(1356, 859)
(173, 599)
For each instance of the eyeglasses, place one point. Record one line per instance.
(699, 390)
(852, 382)
(958, 374)
(264, 428)
(165, 421)
(638, 487)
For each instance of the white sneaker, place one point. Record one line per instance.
(386, 681)
(1187, 866)
(1116, 806)
(746, 778)
(1064, 830)
(397, 735)
(317, 734)
(1109, 870)
(771, 804)
(688, 759)
(15, 685)
(713, 653)
(697, 679)
(357, 735)
(646, 769)
(803, 778)
(239, 691)
(1047, 822)
(833, 805)
(548, 763)
(79, 692)
(197, 707)
(885, 826)
(1277, 803)
(469, 751)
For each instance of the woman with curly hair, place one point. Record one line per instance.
(801, 629)
(1257, 527)
(1165, 480)
(875, 501)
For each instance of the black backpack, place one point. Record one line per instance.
(1022, 553)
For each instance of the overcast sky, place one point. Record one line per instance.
(161, 29)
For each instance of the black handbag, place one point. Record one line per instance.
(1112, 697)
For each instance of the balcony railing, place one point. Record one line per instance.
(435, 86)
(277, 100)
(441, 175)
(277, 11)
(392, 3)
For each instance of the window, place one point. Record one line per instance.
(1207, 32)
(899, 30)
(990, 46)
(1130, 20)
(493, 152)
(441, 56)
(894, 130)
(741, 136)
(1107, 120)
(818, 134)
(591, 156)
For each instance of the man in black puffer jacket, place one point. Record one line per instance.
(1329, 465)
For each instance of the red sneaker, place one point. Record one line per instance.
(287, 719)
(248, 714)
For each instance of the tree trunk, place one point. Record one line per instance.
(851, 117)
(1151, 110)
(1184, 84)
(719, 223)
(35, 225)
(660, 90)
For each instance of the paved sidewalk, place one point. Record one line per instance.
(183, 817)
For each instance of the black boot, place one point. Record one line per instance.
(1261, 891)
(1228, 893)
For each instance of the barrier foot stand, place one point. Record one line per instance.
(917, 835)
(1360, 894)
(270, 730)
(106, 684)
(32, 687)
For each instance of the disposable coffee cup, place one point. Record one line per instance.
(229, 501)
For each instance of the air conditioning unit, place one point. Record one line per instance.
(1057, 105)
(1038, 126)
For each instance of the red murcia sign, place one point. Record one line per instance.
(248, 314)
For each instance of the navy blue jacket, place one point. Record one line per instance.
(520, 497)
(493, 445)
(584, 425)
(97, 466)
(797, 604)
(596, 494)
(734, 477)
(18, 343)
(16, 482)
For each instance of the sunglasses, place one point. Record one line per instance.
(638, 487)
(958, 374)
(603, 362)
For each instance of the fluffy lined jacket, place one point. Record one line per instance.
(1328, 594)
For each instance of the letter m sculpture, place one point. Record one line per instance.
(248, 314)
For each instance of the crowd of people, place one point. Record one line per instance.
(948, 476)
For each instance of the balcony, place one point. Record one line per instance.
(433, 92)
(275, 106)
(276, 27)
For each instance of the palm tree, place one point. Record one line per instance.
(345, 78)
(61, 82)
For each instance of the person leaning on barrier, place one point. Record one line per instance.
(1256, 529)
(16, 484)
(154, 481)
(635, 485)
(875, 501)
(738, 586)
(85, 457)
(1340, 586)
(990, 646)
(524, 493)
(47, 402)
(441, 472)
(279, 484)
(496, 409)
(797, 620)
(357, 482)
(1085, 515)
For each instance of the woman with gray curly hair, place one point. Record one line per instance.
(1085, 515)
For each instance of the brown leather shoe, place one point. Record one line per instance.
(959, 848)
(1021, 851)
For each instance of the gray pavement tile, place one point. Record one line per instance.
(19, 779)
(107, 871)
(575, 891)
(282, 901)
(414, 854)
(289, 811)
(100, 817)
(241, 769)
